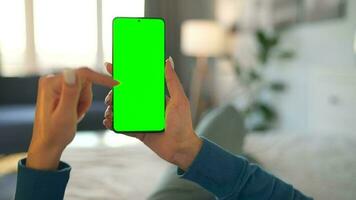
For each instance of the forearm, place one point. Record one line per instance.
(230, 177)
(34, 184)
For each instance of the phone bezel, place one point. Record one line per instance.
(164, 90)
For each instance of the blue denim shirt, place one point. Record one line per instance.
(225, 175)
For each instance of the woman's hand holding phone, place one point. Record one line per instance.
(62, 101)
(178, 144)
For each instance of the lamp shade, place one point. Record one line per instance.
(202, 38)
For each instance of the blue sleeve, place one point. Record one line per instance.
(35, 184)
(232, 177)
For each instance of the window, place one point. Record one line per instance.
(12, 35)
(65, 35)
(42, 36)
(113, 8)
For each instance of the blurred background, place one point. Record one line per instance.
(287, 67)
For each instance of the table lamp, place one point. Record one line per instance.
(201, 39)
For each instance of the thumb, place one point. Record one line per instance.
(174, 86)
(70, 92)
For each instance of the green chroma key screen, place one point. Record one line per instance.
(138, 64)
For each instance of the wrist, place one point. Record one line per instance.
(187, 152)
(43, 157)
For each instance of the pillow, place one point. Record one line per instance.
(224, 126)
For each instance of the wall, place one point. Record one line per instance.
(321, 93)
(175, 12)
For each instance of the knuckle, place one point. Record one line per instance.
(44, 82)
(50, 78)
(83, 70)
(108, 99)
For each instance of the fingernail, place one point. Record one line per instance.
(107, 112)
(106, 64)
(170, 59)
(69, 76)
(81, 118)
(106, 100)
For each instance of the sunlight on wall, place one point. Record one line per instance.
(117, 8)
(12, 34)
(65, 32)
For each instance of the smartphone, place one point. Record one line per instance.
(138, 64)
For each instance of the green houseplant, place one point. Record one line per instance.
(259, 114)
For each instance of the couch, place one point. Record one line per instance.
(17, 108)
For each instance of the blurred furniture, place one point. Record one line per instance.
(17, 108)
(126, 177)
(8, 186)
(320, 165)
(200, 39)
(223, 125)
(8, 167)
(102, 172)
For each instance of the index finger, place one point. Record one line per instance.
(96, 77)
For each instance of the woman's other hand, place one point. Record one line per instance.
(62, 101)
(178, 144)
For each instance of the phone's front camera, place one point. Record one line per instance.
(139, 20)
